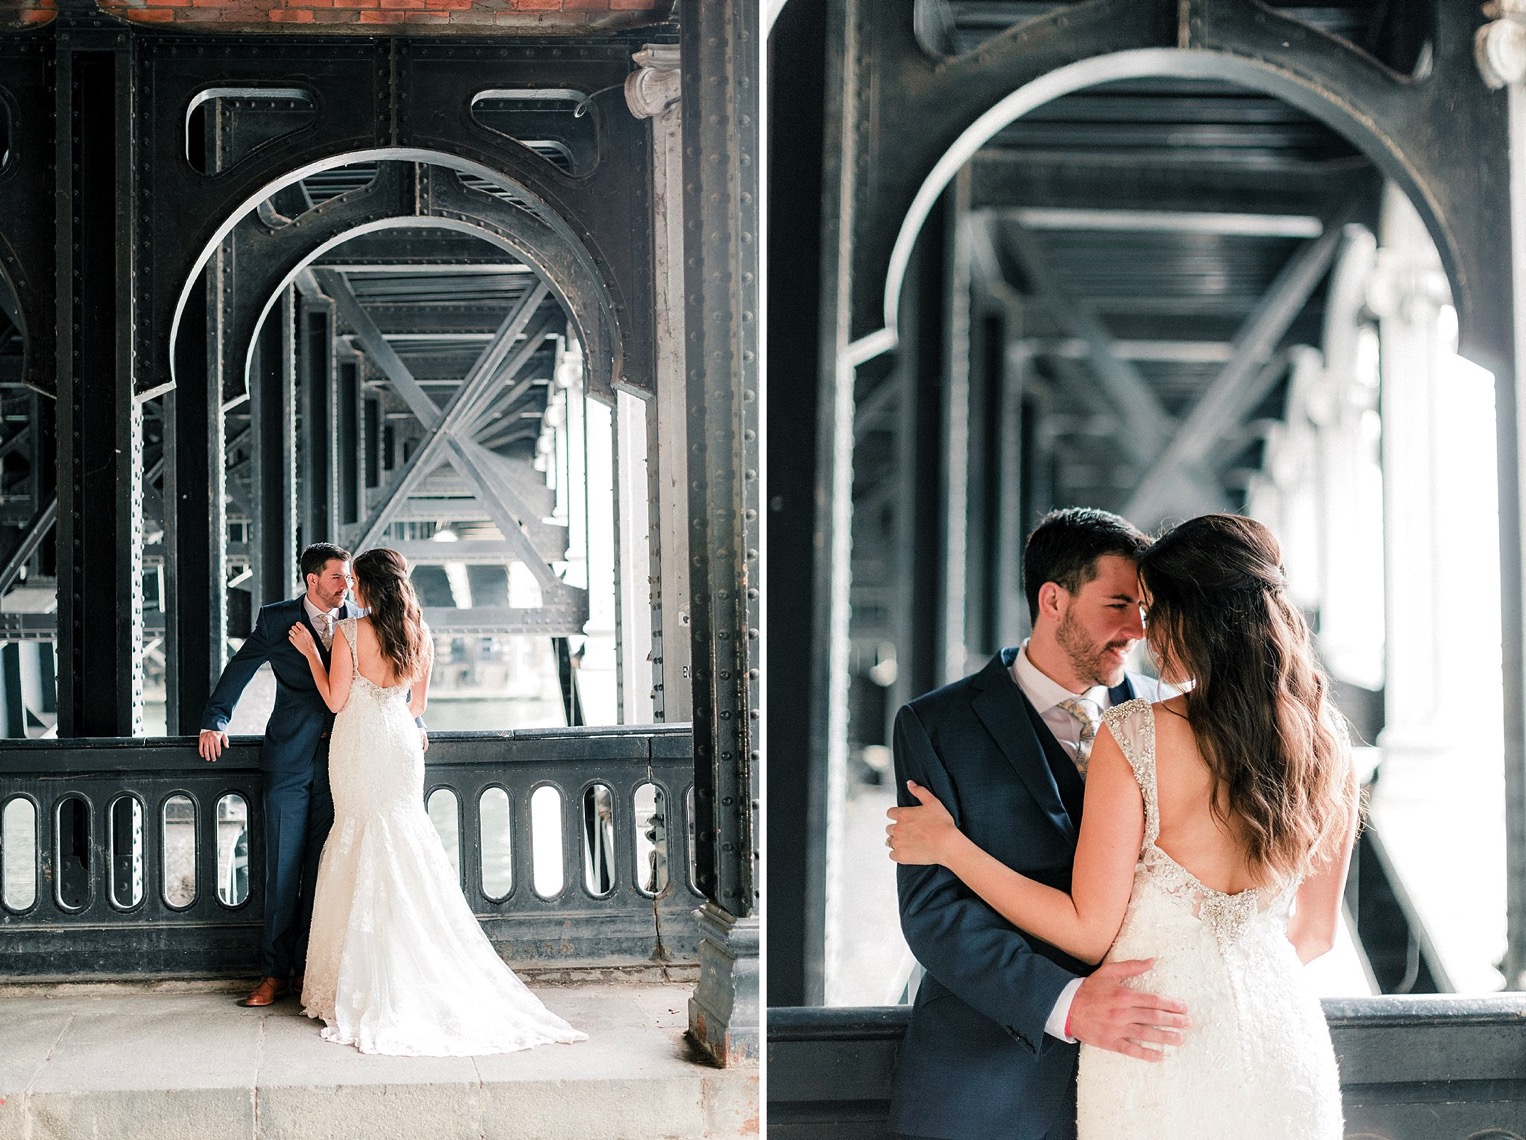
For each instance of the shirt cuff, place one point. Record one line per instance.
(1059, 1017)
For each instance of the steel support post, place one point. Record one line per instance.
(922, 438)
(799, 59)
(100, 613)
(720, 97)
(316, 382)
(349, 459)
(955, 467)
(272, 399)
(1512, 476)
(1011, 524)
(195, 516)
(983, 632)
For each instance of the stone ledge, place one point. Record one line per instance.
(155, 1063)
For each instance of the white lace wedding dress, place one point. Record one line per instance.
(1257, 1063)
(396, 961)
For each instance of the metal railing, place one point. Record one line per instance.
(135, 858)
(1412, 1068)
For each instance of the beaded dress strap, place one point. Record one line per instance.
(1133, 726)
(348, 625)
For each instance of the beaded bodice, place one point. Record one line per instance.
(363, 684)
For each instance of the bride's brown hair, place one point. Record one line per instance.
(382, 576)
(1260, 705)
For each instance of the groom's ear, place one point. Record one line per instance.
(1049, 598)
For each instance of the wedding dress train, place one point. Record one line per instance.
(396, 960)
(1257, 1062)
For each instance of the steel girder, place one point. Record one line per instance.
(385, 97)
(404, 195)
(405, 99)
(272, 411)
(100, 504)
(721, 289)
(1441, 136)
(26, 177)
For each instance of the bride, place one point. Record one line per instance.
(396, 961)
(1216, 833)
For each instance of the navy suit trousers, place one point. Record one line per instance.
(299, 810)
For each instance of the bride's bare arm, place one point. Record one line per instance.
(1317, 909)
(1083, 923)
(337, 691)
(418, 695)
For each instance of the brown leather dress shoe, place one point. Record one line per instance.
(265, 993)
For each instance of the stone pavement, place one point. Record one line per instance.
(184, 1062)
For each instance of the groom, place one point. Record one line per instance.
(990, 1050)
(298, 809)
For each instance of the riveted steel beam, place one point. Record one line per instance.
(272, 412)
(99, 421)
(377, 347)
(720, 104)
(1148, 423)
(485, 376)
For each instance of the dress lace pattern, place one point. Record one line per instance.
(1257, 1061)
(396, 961)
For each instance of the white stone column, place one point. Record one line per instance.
(1406, 292)
(597, 670)
(653, 92)
(1343, 408)
(635, 576)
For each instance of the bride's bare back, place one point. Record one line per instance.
(1189, 832)
(374, 665)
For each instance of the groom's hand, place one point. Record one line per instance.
(1110, 1015)
(211, 743)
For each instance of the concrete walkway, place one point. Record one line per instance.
(123, 1063)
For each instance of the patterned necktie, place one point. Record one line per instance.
(1089, 715)
(326, 631)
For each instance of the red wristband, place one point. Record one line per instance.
(1069, 1036)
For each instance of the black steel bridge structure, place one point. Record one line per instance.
(259, 289)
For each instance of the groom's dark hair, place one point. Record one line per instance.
(318, 555)
(1066, 544)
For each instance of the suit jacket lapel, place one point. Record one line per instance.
(1123, 691)
(1000, 705)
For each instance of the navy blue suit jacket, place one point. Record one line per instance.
(976, 1063)
(299, 718)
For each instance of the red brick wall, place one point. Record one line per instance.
(14, 15)
(369, 15)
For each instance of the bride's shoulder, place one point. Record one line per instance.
(1128, 712)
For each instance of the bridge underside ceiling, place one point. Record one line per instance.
(1125, 247)
(1184, 204)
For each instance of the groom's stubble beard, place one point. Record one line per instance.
(1088, 658)
(325, 600)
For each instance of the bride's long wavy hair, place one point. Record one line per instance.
(1260, 705)
(382, 576)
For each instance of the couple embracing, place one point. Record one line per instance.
(1208, 866)
(364, 916)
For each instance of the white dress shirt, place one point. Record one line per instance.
(1045, 693)
(313, 612)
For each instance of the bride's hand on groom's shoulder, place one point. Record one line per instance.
(920, 834)
(302, 638)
